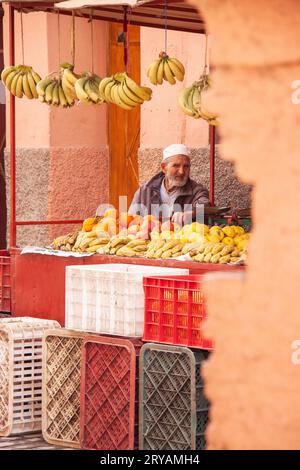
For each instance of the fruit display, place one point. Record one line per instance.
(135, 236)
(190, 101)
(123, 91)
(165, 68)
(21, 80)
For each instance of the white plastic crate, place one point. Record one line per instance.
(21, 373)
(109, 298)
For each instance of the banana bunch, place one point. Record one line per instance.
(164, 249)
(90, 242)
(87, 89)
(121, 90)
(68, 80)
(190, 101)
(21, 80)
(165, 68)
(50, 91)
(125, 246)
(64, 242)
(217, 253)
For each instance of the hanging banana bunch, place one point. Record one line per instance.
(87, 88)
(21, 80)
(123, 91)
(190, 101)
(68, 80)
(50, 91)
(165, 68)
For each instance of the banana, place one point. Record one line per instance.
(104, 82)
(168, 73)
(68, 88)
(49, 91)
(183, 101)
(117, 99)
(55, 95)
(178, 64)
(36, 76)
(143, 93)
(135, 243)
(80, 92)
(5, 72)
(196, 99)
(153, 71)
(90, 91)
(10, 78)
(14, 82)
(19, 86)
(62, 98)
(124, 96)
(42, 85)
(131, 94)
(71, 76)
(107, 91)
(32, 84)
(176, 71)
(160, 73)
(26, 87)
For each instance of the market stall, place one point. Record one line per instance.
(38, 280)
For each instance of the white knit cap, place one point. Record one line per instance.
(176, 149)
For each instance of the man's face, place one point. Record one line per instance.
(177, 170)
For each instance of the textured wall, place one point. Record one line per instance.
(78, 183)
(228, 189)
(251, 379)
(32, 173)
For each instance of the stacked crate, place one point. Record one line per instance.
(100, 300)
(21, 373)
(174, 411)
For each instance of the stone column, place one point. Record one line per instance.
(252, 378)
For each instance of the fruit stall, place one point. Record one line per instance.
(112, 237)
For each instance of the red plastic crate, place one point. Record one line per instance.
(175, 311)
(4, 281)
(109, 393)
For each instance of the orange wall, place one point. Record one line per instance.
(162, 120)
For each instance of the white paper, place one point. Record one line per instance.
(37, 250)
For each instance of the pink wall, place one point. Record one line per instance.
(80, 125)
(173, 125)
(32, 118)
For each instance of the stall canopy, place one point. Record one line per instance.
(176, 15)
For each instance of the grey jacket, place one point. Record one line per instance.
(149, 194)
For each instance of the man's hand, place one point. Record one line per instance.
(182, 218)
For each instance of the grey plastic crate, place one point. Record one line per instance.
(173, 410)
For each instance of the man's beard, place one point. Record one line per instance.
(177, 182)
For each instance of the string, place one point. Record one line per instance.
(92, 40)
(73, 37)
(58, 28)
(22, 37)
(166, 27)
(206, 54)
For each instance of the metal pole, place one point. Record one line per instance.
(12, 146)
(212, 138)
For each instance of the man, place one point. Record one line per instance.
(171, 193)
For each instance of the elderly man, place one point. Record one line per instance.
(171, 194)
